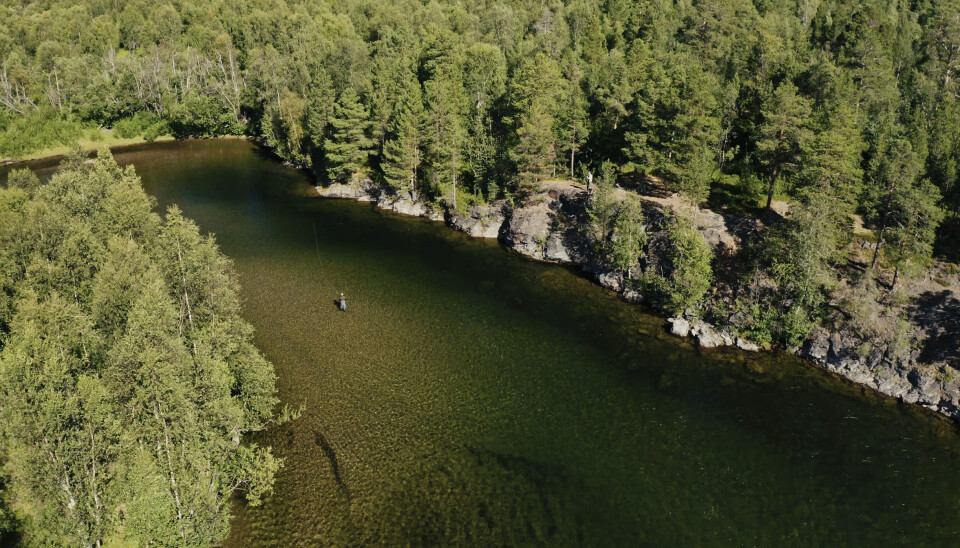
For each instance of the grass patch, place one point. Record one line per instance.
(93, 140)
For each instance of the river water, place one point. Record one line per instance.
(471, 397)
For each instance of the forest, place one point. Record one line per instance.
(127, 376)
(843, 112)
(838, 109)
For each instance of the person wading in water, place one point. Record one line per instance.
(343, 303)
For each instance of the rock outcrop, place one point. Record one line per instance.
(847, 356)
(528, 228)
(354, 192)
(481, 221)
(548, 227)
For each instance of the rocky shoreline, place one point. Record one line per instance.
(546, 227)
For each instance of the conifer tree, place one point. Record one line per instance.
(401, 152)
(782, 134)
(536, 94)
(572, 114)
(348, 147)
(446, 130)
(832, 159)
(893, 172)
(911, 245)
(629, 236)
(536, 151)
(691, 273)
(676, 125)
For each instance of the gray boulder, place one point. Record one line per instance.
(679, 327)
(528, 230)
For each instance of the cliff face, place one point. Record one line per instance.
(549, 226)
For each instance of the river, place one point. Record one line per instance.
(472, 397)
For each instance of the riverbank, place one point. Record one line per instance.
(548, 226)
(91, 146)
(88, 145)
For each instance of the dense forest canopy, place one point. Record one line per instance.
(835, 108)
(127, 377)
(746, 99)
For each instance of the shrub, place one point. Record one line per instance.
(692, 274)
(134, 126)
(39, 129)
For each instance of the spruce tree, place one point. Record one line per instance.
(535, 152)
(573, 126)
(446, 130)
(629, 236)
(401, 151)
(348, 147)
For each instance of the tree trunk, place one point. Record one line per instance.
(896, 271)
(773, 185)
(572, 152)
(876, 252)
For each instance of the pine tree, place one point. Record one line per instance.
(629, 236)
(536, 94)
(446, 131)
(573, 126)
(802, 252)
(893, 172)
(832, 159)
(535, 152)
(691, 273)
(782, 134)
(676, 125)
(912, 237)
(401, 151)
(348, 146)
(485, 76)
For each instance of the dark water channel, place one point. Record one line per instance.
(470, 397)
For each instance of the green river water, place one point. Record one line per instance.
(471, 397)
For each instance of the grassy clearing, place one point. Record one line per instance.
(92, 140)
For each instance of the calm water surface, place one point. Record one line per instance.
(470, 397)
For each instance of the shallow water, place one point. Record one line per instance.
(471, 397)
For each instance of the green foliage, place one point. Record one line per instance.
(911, 239)
(401, 152)
(126, 373)
(348, 147)
(695, 94)
(783, 134)
(616, 226)
(629, 236)
(602, 209)
(446, 133)
(803, 251)
(852, 106)
(690, 271)
(536, 94)
(676, 125)
(801, 255)
(40, 129)
(134, 126)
